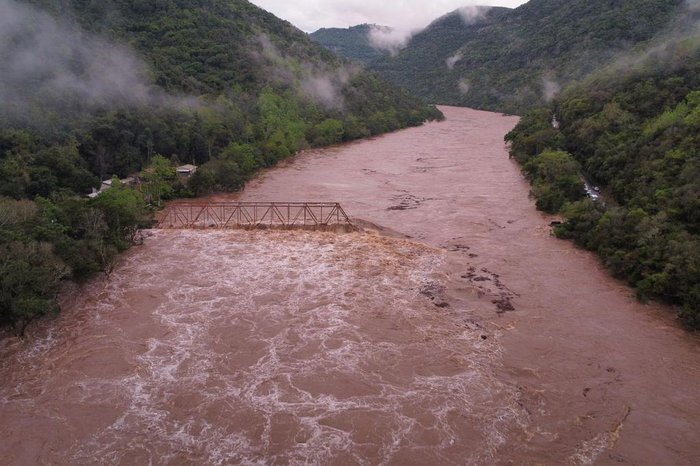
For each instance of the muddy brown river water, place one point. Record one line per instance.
(469, 335)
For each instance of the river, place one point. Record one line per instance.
(464, 334)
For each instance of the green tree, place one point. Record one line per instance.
(30, 274)
(159, 180)
(555, 178)
(246, 156)
(327, 132)
(125, 211)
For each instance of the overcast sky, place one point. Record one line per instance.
(310, 15)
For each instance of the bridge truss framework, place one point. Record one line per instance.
(253, 215)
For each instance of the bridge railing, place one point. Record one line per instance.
(252, 215)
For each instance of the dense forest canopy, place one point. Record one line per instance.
(512, 59)
(635, 132)
(92, 89)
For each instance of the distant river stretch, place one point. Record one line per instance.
(466, 334)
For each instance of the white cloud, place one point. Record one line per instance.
(452, 61)
(404, 15)
(550, 88)
(473, 13)
(390, 39)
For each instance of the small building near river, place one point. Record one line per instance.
(186, 171)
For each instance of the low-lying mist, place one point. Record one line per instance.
(670, 48)
(390, 39)
(53, 64)
(473, 13)
(394, 39)
(313, 80)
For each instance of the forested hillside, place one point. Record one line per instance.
(353, 43)
(510, 60)
(636, 133)
(91, 89)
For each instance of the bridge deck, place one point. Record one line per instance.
(252, 215)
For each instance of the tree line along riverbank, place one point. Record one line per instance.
(637, 135)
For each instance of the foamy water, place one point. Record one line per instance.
(263, 347)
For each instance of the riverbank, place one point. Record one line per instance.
(579, 345)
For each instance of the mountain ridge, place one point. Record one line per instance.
(510, 60)
(353, 42)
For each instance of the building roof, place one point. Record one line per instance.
(186, 168)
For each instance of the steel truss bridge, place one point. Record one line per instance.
(253, 215)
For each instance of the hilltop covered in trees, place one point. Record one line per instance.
(95, 89)
(512, 59)
(353, 42)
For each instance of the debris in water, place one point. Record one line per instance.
(407, 201)
(489, 283)
(435, 292)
